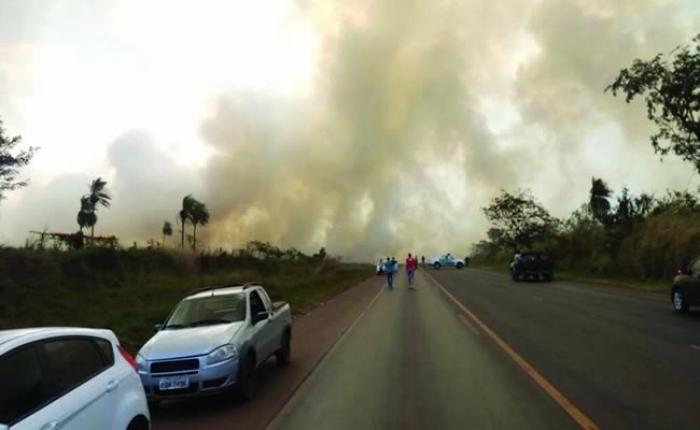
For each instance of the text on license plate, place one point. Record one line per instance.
(173, 383)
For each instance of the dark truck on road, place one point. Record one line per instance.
(685, 291)
(532, 265)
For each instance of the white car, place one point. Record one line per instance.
(380, 267)
(68, 378)
(446, 260)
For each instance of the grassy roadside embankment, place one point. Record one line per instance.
(651, 286)
(128, 291)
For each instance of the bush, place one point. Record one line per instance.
(660, 246)
(654, 249)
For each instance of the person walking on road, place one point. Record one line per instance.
(389, 268)
(411, 266)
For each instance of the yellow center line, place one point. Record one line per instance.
(581, 419)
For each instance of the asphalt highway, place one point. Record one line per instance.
(623, 357)
(414, 361)
(471, 349)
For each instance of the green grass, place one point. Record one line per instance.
(655, 286)
(128, 291)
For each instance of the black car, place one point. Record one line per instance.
(532, 265)
(685, 291)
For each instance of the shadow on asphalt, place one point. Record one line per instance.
(691, 315)
(204, 405)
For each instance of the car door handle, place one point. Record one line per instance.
(53, 425)
(112, 385)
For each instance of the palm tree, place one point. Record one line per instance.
(599, 203)
(199, 215)
(167, 230)
(188, 204)
(84, 213)
(98, 196)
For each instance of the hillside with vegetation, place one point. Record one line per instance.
(130, 290)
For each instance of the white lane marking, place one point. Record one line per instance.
(695, 347)
(469, 325)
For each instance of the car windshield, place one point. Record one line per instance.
(208, 311)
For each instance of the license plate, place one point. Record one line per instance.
(173, 383)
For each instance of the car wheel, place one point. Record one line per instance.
(514, 276)
(284, 354)
(460, 265)
(138, 423)
(680, 305)
(436, 266)
(246, 379)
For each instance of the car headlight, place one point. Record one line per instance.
(141, 363)
(224, 352)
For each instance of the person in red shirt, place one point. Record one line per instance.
(411, 267)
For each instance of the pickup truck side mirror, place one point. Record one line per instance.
(260, 316)
(156, 327)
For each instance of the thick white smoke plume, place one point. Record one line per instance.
(410, 115)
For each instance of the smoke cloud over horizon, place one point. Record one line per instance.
(408, 117)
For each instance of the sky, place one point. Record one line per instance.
(371, 128)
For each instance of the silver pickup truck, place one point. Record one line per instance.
(213, 341)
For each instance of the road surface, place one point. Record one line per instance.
(413, 361)
(417, 360)
(623, 357)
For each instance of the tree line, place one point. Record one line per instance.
(620, 234)
(192, 212)
(610, 234)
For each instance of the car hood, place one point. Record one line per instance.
(188, 342)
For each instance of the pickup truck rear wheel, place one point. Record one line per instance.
(436, 266)
(284, 354)
(680, 304)
(246, 379)
(460, 265)
(139, 423)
